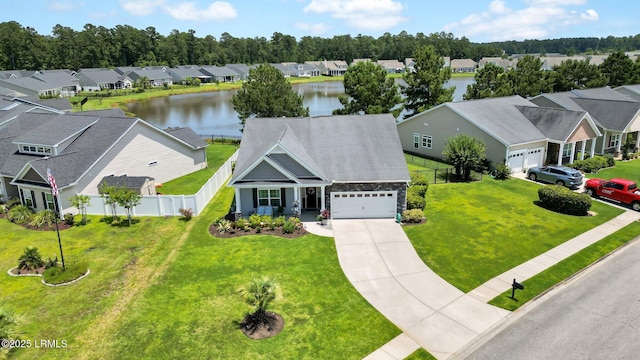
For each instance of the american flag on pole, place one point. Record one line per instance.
(52, 183)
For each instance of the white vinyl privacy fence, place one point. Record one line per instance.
(170, 205)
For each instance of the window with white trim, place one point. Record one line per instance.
(614, 140)
(39, 150)
(49, 201)
(566, 150)
(28, 200)
(426, 141)
(269, 197)
(416, 140)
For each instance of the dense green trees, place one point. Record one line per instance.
(267, 93)
(576, 74)
(465, 153)
(368, 90)
(425, 85)
(21, 47)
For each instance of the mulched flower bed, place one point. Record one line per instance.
(213, 230)
(38, 271)
(61, 225)
(264, 331)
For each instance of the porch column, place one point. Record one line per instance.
(618, 147)
(584, 145)
(322, 202)
(604, 141)
(637, 140)
(560, 154)
(238, 202)
(593, 147)
(296, 195)
(573, 152)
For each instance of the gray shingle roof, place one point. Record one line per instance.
(611, 114)
(556, 124)
(352, 148)
(501, 118)
(188, 136)
(53, 130)
(129, 182)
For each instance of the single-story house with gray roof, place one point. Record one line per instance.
(516, 132)
(351, 165)
(616, 115)
(82, 148)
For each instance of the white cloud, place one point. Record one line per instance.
(361, 14)
(541, 19)
(140, 7)
(315, 29)
(63, 6)
(218, 10)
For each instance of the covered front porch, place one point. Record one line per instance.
(561, 153)
(279, 199)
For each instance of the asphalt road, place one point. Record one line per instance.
(596, 315)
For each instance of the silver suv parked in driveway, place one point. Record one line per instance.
(559, 175)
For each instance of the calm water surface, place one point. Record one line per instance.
(211, 113)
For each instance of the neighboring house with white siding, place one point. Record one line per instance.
(82, 148)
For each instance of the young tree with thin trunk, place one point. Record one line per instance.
(259, 294)
(81, 202)
(465, 153)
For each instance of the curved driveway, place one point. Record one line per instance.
(379, 260)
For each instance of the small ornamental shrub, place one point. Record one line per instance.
(502, 172)
(265, 220)
(51, 262)
(297, 224)
(255, 220)
(186, 213)
(44, 218)
(242, 224)
(20, 214)
(279, 221)
(289, 226)
(224, 226)
(420, 190)
(562, 200)
(418, 178)
(56, 275)
(412, 216)
(415, 201)
(594, 164)
(69, 219)
(30, 259)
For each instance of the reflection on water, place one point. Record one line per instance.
(212, 113)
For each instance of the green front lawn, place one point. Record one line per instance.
(623, 169)
(165, 288)
(476, 231)
(217, 154)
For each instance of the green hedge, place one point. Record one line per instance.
(562, 200)
(594, 164)
(415, 201)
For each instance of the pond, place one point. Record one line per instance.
(212, 114)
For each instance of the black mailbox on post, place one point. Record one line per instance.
(515, 285)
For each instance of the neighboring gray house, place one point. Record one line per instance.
(352, 165)
(303, 70)
(506, 64)
(181, 74)
(463, 66)
(616, 115)
(49, 83)
(392, 66)
(103, 79)
(222, 73)
(155, 77)
(630, 91)
(548, 62)
(241, 69)
(82, 148)
(515, 131)
(330, 67)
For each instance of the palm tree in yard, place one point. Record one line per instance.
(259, 294)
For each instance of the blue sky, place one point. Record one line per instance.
(478, 20)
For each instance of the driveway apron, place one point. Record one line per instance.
(381, 263)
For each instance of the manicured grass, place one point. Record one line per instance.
(122, 260)
(420, 354)
(566, 268)
(476, 231)
(623, 169)
(165, 288)
(217, 154)
(194, 309)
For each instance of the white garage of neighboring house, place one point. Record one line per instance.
(351, 165)
(516, 132)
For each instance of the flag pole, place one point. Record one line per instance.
(55, 206)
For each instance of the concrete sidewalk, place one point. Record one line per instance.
(379, 260)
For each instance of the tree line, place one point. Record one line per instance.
(23, 48)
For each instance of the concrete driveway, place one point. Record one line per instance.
(379, 260)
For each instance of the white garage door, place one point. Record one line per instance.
(534, 158)
(363, 204)
(516, 160)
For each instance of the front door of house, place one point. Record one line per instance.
(312, 199)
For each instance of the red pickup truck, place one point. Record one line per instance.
(620, 190)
